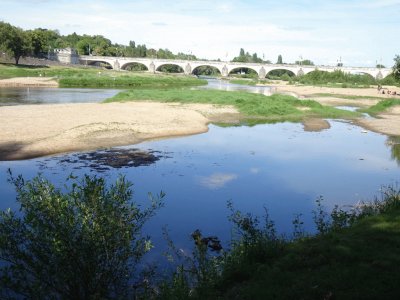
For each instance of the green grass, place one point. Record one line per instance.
(11, 70)
(354, 255)
(381, 106)
(243, 82)
(130, 81)
(360, 262)
(332, 84)
(269, 108)
(249, 82)
(336, 78)
(350, 97)
(80, 76)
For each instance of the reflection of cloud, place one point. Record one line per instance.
(254, 170)
(217, 180)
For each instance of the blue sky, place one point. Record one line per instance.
(361, 32)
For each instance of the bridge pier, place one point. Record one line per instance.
(152, 67)
(188, 69)
(262, 73)
(116, 65)
(224, 71)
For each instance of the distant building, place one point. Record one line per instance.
(65, 56)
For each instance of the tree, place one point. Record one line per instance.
(279, 61)
(42, 40)
(80, 244)
(38, 41)
(14, 41)
(256, 59)
(396, 67)
(304, 62)
(246, 57)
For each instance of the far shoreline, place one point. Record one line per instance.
(29, 82)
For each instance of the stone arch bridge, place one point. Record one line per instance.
(225, 68)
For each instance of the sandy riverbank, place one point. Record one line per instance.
(306, 91)
(29, 82)
(38, 130)
(386, 123)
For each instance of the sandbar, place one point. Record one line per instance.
(387, 122)
(28, 131)
(29, 82)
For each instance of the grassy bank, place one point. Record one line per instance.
(355, 255)
(338, 79)
(125, 80)
(11, 70)
(270, 108)
(249, 82)
(80, 76)
(359, 262)
(381, 106)
(350, 97)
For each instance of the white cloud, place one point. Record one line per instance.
(318, 30)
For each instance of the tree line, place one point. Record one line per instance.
(40, 42)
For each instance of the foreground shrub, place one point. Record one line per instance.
(79, 244)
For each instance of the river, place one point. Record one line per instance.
(277, 166)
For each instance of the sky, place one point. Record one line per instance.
(357, 32)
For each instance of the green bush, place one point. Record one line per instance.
(323, 77)
(85, 243)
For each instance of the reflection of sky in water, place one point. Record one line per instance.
(224, 85)
(277, 166)
(29, 95)
(216, 180)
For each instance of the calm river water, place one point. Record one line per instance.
(18, 96)
(279, 166)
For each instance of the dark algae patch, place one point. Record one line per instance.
(104, 160)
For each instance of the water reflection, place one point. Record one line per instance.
(278, 166)
(29, 95)
(394, 143)
(225, 85)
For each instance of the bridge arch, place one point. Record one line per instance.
(134, 66)
(206, 70)
(99, 63)
(279, 72)
(243, 69)
(170, 68)
(365, 74)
